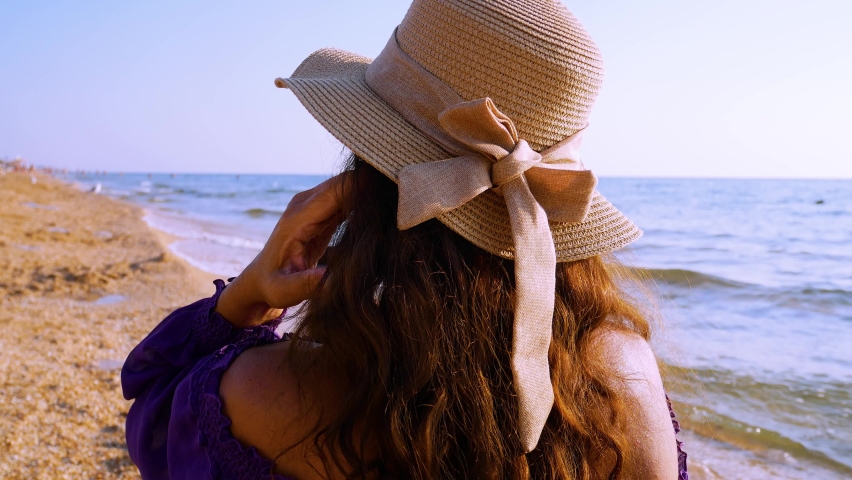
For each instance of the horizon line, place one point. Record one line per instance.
(327, 175)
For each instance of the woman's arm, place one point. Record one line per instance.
(285, 272)
(653, 447)
(282, 275)
(156, 367)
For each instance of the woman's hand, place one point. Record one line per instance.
(284, 273)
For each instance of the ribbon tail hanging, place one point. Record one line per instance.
(535, 283)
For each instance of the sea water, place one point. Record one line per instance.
(753, 280)
(755, 287)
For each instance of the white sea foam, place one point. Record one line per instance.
(213, 247)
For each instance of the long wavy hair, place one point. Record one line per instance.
(419, 324)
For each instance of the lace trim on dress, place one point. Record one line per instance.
(209, 329)
(681, 455)
(229, 459)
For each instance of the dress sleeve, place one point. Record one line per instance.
(161, 362)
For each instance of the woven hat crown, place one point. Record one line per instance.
(532, 57)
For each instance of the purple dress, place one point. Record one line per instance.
(175, 427)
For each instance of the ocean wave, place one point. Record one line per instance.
(195, 192)
(791, 296)
(814, 298)
(225, 240)
(828, 291)
(286, 190)
(219, 265)
(195, 230)
(213, 194)
(763, 441)
(687, 278)
(262, 212)
(799, 418)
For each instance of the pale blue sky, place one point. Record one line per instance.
(730, 88)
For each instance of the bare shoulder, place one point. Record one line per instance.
(267, 410)
(637, 378)
(256, 390)
(630, 355)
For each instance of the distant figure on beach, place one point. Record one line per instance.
(461, 314)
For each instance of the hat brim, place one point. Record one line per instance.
(331, 85)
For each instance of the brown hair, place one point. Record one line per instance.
(419, 323)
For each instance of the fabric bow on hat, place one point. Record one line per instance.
(537, 187)
(556, 177)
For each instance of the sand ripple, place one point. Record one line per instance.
(61, 410)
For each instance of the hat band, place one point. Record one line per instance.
(537, 187)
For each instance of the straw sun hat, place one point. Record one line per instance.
(461, 86)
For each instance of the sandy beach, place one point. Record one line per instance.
(84, 280)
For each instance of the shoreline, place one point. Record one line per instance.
(197, 274)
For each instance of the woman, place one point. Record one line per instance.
(463, 325)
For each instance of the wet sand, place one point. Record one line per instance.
(84, 280)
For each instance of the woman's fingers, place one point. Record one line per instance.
(306, 194)
(294, 288)
(316, 246)
(312, 215)
(308, 212)
(303, 232)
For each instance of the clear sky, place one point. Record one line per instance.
(728, 88)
